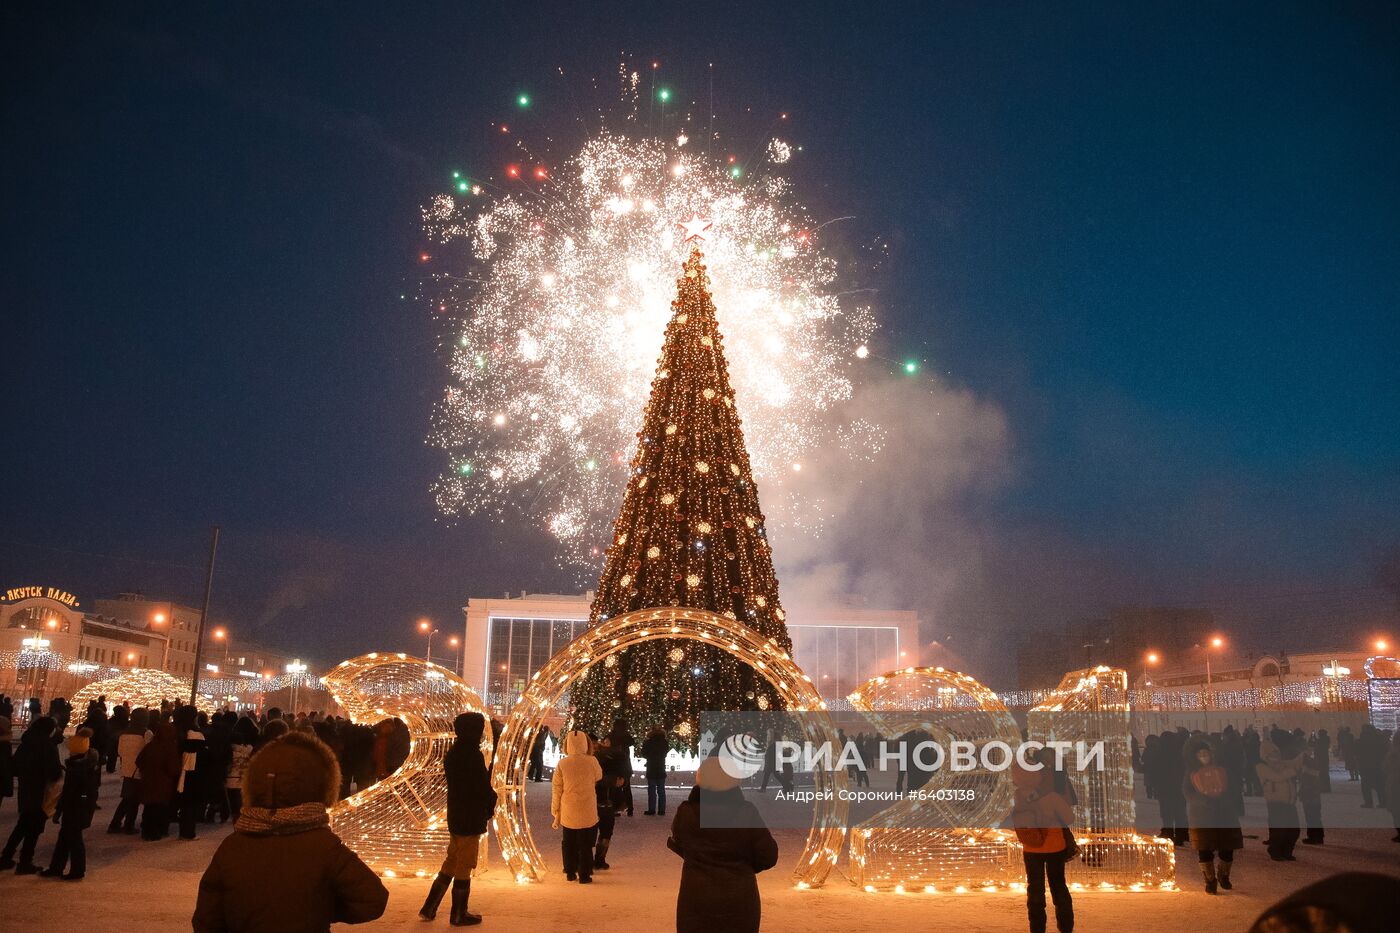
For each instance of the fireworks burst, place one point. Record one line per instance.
(560, 314)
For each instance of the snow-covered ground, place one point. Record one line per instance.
(149, 886)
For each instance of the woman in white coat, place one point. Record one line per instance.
(574, 804)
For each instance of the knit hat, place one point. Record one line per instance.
(712, 776)
(296, 768)
(78, 745)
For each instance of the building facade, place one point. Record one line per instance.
(507, 640)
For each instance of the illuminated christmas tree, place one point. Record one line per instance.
(690, 533)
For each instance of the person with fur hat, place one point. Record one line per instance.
(1214, 826)
(470, 803)
(574, 805)
(36, 766)
(723, 855)
(81, 778)
(1042, 816)
(283, 870)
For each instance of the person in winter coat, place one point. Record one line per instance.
(1279, 777)
(1042, 818)
(1370, 762)
(129, 744)
(245, 738)
(536, 771)
(1310, 790)
(1391, 768)
(81, 778)
(7, 765)
(159, 767)
(116, 725)
(719, 880)
(189, 794)
(620, 742)
(283, 870)
(574, 805)
(654, 750)
(36, 767)
(1214, 825)
(470, 803)
(211, 777)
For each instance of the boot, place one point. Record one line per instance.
(1223, 874)
(1208, 872)
(600, 855)
(435, 893)
(461, 892)
(1064, 917)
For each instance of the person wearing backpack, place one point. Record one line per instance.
(1042, 818)
(1210, 814)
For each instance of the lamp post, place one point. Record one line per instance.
(1151, 658)
(426, 626)
(1215, 642)
(456, 644)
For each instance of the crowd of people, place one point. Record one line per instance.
(179, 767)
(1200, 782)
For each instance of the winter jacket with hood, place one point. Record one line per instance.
(574, 801)
(159, 764)
(132, 739)
(283, 870)
(1211, 816)
(1279, 775)
(719, 883)
(36, 764)
(470, 799)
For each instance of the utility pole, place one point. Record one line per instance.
(204, 616)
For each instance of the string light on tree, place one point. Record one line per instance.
(678, 496)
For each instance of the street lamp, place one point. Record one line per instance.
(456, 644)
(426, 627)
(1381, 644)
(1151, 658)
(159, 618)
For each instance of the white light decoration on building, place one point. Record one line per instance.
(548, 685)
(399, 825)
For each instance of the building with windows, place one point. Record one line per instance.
(508, 639)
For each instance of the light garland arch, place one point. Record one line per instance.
(399, 825)
(140, 687)
(548, 685)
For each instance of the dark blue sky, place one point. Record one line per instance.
(1163, 242)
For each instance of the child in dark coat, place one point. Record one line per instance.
(719, 883)
(470, 803)
(77, 801)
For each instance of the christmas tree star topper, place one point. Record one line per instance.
(694, 228)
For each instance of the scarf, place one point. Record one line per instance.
(284, 821)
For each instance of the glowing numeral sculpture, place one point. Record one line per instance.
(399, 825)
(915, 844)
(1091, 706)
(548, 685)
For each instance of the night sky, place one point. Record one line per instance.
(1159, 247)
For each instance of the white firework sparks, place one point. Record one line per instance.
(562, 312)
